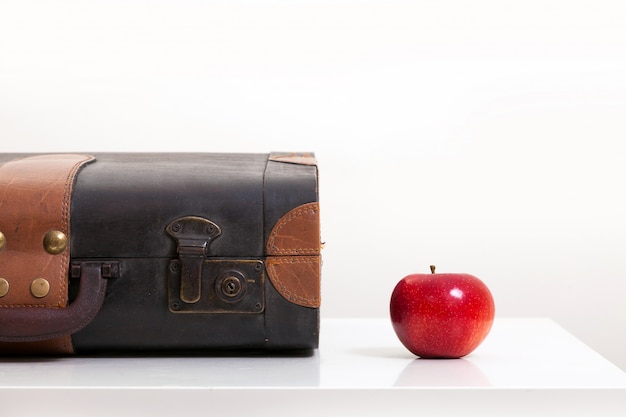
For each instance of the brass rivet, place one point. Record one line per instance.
(40, 288)
(3, 241)
(55, 242)
(4, 287)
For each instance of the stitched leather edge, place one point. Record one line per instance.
(62, 169)
(297, 278)
(294, 262)
(297, 232)
(73, 163)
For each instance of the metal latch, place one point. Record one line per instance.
(193, 234)
(199, 283)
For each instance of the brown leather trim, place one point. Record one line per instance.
(32, 324)
(297, 232)
(293, 262)
(59, 346)
(35, 196)
(297, 278)
(306, 158)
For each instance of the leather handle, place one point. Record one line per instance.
(30, 324)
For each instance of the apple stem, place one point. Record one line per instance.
(432, 269)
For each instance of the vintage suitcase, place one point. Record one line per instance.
(158, 253)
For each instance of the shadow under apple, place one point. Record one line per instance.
(452, 373)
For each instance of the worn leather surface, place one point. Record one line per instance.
(33, 324)
(35, 197)
(121, 205)
(297, 278)
(296, 233)
(57, 346)
(121, 208)
(293, 250)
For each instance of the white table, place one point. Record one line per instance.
(524, 367)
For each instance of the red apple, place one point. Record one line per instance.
(441, 315)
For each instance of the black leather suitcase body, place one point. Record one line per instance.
(158, 252)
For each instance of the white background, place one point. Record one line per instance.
(481, 136)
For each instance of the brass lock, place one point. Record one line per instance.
(231, 286)
(201, 283)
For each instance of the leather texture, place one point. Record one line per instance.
(296, 278)
(58, 346)
(31, 324)
(121, 206)
(35, 196)
(293, 250)
(296, 233)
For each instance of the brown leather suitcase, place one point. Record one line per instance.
(158, 253)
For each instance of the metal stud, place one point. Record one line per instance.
(3, 241)
(55, 242)
(40, 288)
(4, 287)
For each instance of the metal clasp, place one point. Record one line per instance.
(193, 235)
(200, 283)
